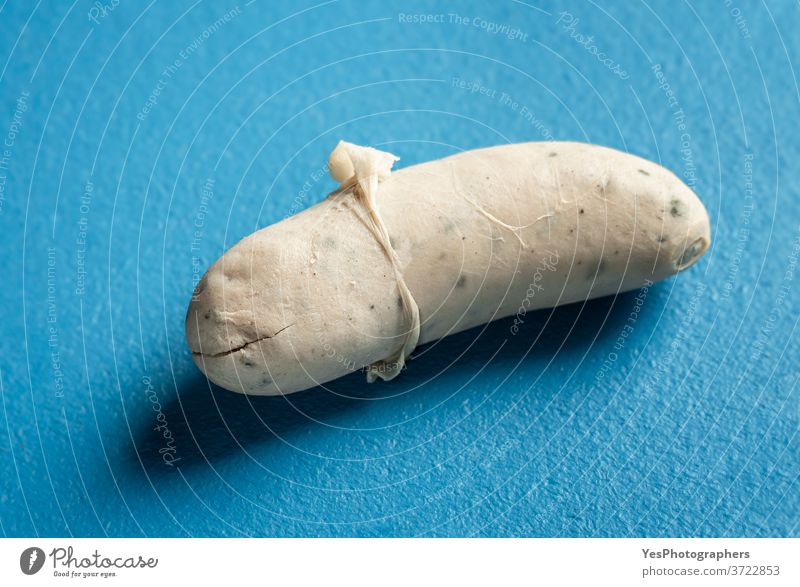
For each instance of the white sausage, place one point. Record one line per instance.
(477, 236)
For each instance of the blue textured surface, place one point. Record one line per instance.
(686, 426)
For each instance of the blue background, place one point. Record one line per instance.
(688, 427)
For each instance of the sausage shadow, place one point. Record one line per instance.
(207, 422)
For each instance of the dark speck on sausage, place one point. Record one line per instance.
(462, 280)
(399, 302)
(643, 172)
(676, 208)
(597, 271)
(553, 154)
